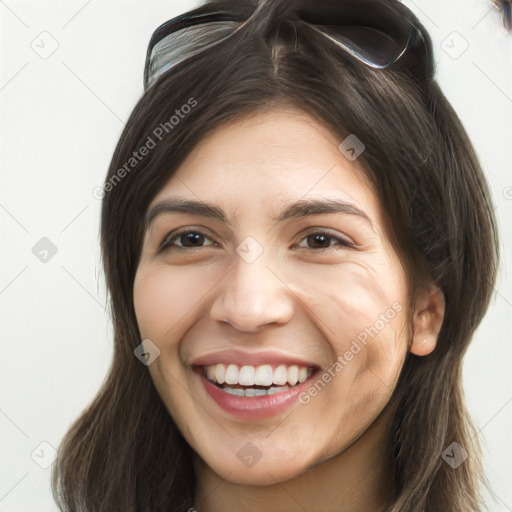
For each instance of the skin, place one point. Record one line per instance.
(303, 295)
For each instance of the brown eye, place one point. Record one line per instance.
(321, 240)
(185, 239)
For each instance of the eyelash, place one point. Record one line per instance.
(168, 240)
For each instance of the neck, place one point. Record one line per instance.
(358, 478)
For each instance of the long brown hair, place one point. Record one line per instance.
(125, 453)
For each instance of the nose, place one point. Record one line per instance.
(251, 296)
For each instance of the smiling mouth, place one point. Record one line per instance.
(251, 381)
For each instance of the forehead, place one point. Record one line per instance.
(267, 159)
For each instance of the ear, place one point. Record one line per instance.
(428, 319)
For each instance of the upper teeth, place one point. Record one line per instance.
(263, 375)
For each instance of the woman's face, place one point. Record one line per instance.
(288, 283)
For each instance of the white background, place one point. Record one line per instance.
(60, 120)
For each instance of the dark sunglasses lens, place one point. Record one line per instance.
(176, 42)
(376, 48)
(506, 16)
(376, 31)
(185, 21)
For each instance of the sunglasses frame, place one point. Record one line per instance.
(415, 54)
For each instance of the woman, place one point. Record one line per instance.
(299, 244)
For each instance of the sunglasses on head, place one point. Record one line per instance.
(505, 9)
(382, 34)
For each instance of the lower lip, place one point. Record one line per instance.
(255, 407)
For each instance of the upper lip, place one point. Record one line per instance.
(242, 358)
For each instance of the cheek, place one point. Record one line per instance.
(356, 301)
(163, 297)
(362, 313)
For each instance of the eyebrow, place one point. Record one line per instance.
(300, 209)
